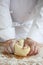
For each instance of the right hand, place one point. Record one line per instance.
(33, 46)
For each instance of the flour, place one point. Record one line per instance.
(33, 60)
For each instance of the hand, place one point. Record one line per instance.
(33, 46)
(9, 46)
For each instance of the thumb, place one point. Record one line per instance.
(12, 45)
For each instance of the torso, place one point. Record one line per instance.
(22, 10)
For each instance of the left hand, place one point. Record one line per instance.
(9, 45)
(33, 46)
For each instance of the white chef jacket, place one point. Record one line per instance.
(24, 25)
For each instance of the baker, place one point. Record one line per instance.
(18, 19)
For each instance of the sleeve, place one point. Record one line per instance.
(6, 30)
(6, 34)
(36, 32)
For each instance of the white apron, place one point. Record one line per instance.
(24, 25)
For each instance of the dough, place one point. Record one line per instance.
(20, 49)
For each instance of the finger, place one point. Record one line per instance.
(12, 49)
(36, 50)
(7, 42)
(32, 50)
(12, 45)
(9, 49)
(6, 50)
